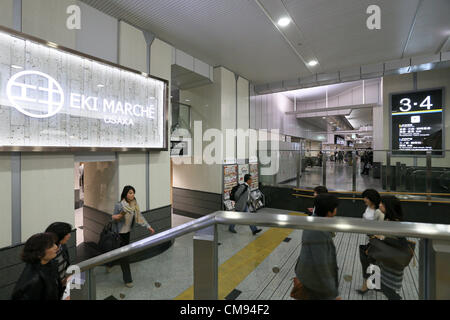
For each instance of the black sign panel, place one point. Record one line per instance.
(339, 140)
(417, 119)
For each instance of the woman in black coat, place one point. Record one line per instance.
(39, 280)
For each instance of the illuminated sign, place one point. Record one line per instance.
(53, 98)
(417, 119)
(34, 105)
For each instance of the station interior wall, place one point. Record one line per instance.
(431, 79)
(47, 188)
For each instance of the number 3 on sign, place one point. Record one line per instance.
(405, 103)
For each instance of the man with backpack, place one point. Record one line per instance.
(241, 195)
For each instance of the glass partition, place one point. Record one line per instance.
(355, 170)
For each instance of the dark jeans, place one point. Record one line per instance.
(365, 169)
(365, 260)
(253, 228)
(390, 293)
(124, 262)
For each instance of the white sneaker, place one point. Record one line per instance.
(129, 285)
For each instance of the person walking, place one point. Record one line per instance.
(126, 213)
(391, 273)
(242, 197)
(372, 201)
(62, 231)
(40, 279)
(316, 266)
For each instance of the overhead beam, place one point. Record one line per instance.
(351, 107)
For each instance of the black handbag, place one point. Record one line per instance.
(395, 253)
(109, 239)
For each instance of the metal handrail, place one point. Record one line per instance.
(148, 242)
(337, 224)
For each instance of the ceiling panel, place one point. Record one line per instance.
(233, 33)
(239, 36)
(338, 34)
(432, 28)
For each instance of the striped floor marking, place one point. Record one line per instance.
(233, 271)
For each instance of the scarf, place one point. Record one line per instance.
(133, 208)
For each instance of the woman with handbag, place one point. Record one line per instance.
(126, 212)
(316, 268)
(391, 254)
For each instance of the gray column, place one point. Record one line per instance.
(440, 274)
(206, 264)
(16, 198)
(17, 15)
(324, 169)
(429, 176)
(149, 38)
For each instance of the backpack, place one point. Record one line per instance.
(233, 192)
(109, 239)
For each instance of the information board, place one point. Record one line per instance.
(417, 119)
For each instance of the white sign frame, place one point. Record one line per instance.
(163, 95)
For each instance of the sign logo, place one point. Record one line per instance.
(35, 94)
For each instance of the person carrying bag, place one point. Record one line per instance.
(392, 254)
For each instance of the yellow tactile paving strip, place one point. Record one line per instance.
(238, 267)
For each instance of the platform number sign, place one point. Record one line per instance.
(417, 122)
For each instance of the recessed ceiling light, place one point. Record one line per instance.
(16, 66)
(100, 85)
(313, 63)
(283, 22)
(324, 117)
(187, 100)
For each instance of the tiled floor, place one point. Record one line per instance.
(169, 275)
(338, 177)
(265, 284)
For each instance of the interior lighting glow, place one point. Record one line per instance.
(16, 67)
(283, 22)
(313, 63)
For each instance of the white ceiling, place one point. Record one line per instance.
(238, 35)
(318, 93)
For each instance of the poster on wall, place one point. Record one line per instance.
(50, 97)
(230, 179)
(417, 119)
(243, 170)
(255, 178)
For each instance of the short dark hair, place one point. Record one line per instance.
(125, 191)
(373, 196)
(321, 189)
(34, 249)
(393, 207)
(247, 177)
(61, 229)
(325, 203)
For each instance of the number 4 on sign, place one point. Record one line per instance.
(426, 103)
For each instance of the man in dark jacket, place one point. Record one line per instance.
(242, 197)
(316, 267)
